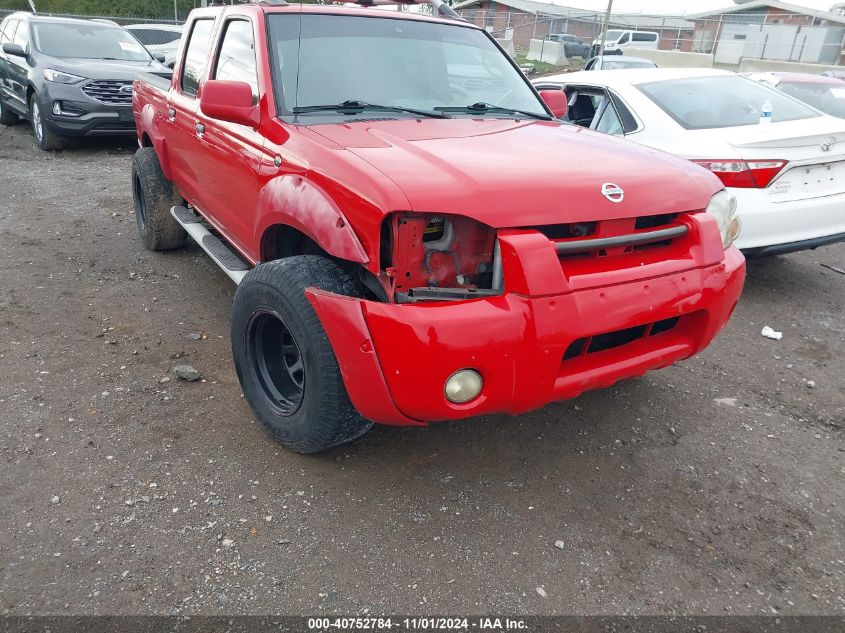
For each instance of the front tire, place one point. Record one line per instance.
(153, 196)
(44, 138)
(7, 117)
(285, 363)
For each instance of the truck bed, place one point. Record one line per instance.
(162, 83)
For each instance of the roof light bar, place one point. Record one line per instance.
(439, 5)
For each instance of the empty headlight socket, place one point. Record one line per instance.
(438, 257)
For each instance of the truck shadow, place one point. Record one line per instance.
(631, 415)
(789, 277)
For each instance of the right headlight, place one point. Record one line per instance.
(59, 77)
(723, 207)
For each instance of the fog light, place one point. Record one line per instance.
(57, 107)
(463, 386)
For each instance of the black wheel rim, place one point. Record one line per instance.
(276, 361)
(140, 203)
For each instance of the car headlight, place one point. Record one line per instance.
(723, 207)
(61, 78)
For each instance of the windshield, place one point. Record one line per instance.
(391, 62)
(702, 103)
(155, 37)
(610, 63)
(612, 35)
(87, 41)
(828, 98)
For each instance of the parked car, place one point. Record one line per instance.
(406, 249)
(619, 40)
(788, 176)
(837, 74)
(823, 93)
(68, 77)
(160, 39)
(618, 62)
(572, 46)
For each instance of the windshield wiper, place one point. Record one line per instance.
(485, 108)
(353, 106)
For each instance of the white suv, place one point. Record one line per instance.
(618, 40)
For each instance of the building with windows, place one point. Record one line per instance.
(770, 30)
(523, 20)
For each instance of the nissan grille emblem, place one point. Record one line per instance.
(612, 192)
(126, 89)
(828, 144)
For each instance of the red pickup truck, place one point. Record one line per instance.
(415, 235)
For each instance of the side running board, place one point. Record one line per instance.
(222, 255)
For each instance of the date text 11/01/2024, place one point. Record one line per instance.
(417, 624)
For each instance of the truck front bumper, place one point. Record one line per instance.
(530, 348)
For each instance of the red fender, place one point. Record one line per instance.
(295, 201)
(148, 123)
(343, 320)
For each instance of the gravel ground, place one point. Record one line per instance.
(712, 487)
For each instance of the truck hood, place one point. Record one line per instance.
(509, 173)
(118, 70)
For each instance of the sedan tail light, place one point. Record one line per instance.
(755, 174)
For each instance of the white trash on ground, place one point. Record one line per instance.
(770, 333)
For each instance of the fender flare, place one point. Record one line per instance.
(148, 121)
(295, 201)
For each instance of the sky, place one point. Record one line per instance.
(676, 7)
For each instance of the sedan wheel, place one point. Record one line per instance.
(37, 123)
(44, 138)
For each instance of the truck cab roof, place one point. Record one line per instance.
(265, 8)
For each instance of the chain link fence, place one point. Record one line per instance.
(728, 37)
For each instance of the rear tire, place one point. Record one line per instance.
(7, 117)
(285, 363)
(44, 138)
(153, 196)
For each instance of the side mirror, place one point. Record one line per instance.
(557, 102)
(14, 49)
(159, 57)
(229, 101)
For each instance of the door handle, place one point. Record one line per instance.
(171, 113)
(200, 128)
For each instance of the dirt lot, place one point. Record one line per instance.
(124, 493)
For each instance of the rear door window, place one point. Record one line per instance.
(195, 56)
(236, 59)
(644, 37)
(609, 122)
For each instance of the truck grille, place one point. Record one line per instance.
(611, 340)
(110, 92)
(613, 237)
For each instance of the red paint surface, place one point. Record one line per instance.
(336, 183)
(517, 341)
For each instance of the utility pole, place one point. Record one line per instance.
(604, 28)
(175, 12)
